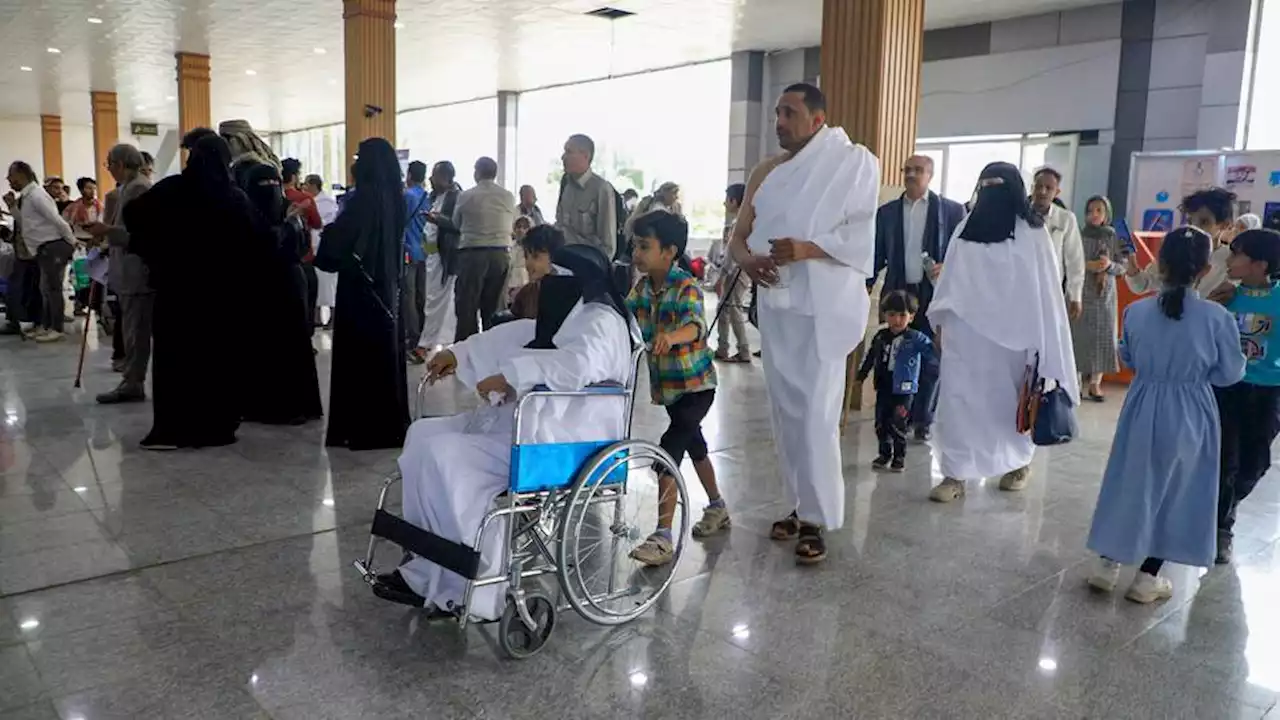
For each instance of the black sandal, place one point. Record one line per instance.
(788, 528)
(811, 549)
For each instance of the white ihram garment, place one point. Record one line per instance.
(439, 322)
(998, 304)
(326, 282)
(826, 194)
(454, 467)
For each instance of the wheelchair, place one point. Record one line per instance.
(571, 511)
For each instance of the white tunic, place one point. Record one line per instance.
(998, 305)
(454, 467)
(327, 283)
(827, 194)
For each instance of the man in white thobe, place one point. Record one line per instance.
(453, 468)
(806, 234)
(1064, 235)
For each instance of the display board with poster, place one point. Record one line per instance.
(1159, 181)
(1255, 179)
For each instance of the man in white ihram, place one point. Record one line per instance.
(806, 234)
(454, 467)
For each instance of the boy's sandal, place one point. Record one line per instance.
(811, 549)
(787, 528)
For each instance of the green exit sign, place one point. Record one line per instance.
(144, 129)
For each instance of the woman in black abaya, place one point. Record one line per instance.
(368, 393)
(281, 384)
(192, 230)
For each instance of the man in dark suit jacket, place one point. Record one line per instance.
(918, 223)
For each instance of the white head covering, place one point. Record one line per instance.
(1249, 221)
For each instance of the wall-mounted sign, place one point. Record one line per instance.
(144, 129)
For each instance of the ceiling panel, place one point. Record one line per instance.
(279, 65)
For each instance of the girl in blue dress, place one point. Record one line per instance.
(1160, 489)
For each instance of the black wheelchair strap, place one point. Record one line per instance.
(450, 555)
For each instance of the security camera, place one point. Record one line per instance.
(372, 110)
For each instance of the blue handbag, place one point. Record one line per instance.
(1052, 413)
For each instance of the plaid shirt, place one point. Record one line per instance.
(686, 368)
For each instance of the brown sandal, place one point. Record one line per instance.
(811, 549)
(788, 528)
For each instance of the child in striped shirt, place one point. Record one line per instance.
(667, 304)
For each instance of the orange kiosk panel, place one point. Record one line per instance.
(1147, 245)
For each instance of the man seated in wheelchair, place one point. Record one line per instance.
(453, 468)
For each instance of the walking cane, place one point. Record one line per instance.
(737, 275)
(84, 336)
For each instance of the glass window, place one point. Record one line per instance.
(320, 150)
(1264, 109)
(459, 133)
(641, 142)
(965, 162)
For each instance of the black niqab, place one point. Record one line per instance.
(262, 184)
(590, 282)
(999, 206)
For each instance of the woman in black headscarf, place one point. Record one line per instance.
(182, 227)
(368, 393)
(281, 384)
(999, 308)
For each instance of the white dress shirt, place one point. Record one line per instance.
(39, 219)
(915, 216)
(1068, 248)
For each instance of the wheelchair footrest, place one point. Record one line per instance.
(450, 555)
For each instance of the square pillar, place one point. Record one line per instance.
(51, 144)
(106, 133)
(871, 56)
(746, 113)
(508, 121)
(370, 56)
(194, 108)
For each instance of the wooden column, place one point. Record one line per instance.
(370, 56)
(872, 52)
(51, 144)
(106, 133)
(194, 110)
(871, 56)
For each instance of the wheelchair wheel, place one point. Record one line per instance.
(515, 638)
(605, 518)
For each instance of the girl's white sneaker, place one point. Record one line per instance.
(1147, 589)
(1105, 575)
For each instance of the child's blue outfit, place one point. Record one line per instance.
(1160, 486)
(1250, 409)
(896, 360)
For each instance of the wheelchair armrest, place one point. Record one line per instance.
(609, 387)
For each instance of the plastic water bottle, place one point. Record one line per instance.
(928, 263)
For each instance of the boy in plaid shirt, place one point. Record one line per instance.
(667, 303)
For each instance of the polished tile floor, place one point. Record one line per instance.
(218, 584)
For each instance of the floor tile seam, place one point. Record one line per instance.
(165, 563)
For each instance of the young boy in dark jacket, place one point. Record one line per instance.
(896, 354)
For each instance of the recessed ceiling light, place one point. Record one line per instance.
(250, 72)
(29, 624)
(95, 21)
(55, 51)
(141, 107)
(399, 25)
(318, 51)
(169, 98)
(25, 68)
